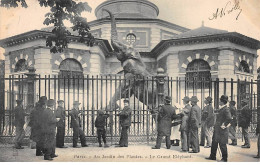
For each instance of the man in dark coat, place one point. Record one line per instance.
(100, 124)
(232, 128)
(165, 117)
(258, 140)
(244, 122)
(207, 123)
(19, 121)
(195, 122)
(48, 124)
(125, 123)
(220, 135)
(36, 131)
(184, 128)
(61, 114)
(76, 126)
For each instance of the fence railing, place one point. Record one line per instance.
(103, 92)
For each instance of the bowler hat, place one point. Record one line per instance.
(209, 99)
(76, 103)
(194, 99)
(43, 100)
(186, 99)
(50, 102)
(168, 98)
(60, 101)
(224, 99)
(19, 101)
(232, 102)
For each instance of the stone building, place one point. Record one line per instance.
(203, 53)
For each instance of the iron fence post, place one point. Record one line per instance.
(2, 102)
(160, 81)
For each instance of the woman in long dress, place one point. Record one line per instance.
(175, 133)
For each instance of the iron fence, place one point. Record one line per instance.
(97, 93)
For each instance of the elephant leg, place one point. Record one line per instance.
(120, 93)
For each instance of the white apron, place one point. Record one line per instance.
(175, 133)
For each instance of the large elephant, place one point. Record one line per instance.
(134, 71)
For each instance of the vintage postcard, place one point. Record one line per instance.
(129, 81)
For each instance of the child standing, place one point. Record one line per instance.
(100, 124)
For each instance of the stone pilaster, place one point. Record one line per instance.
(226, 65)
(7, 66)
(95, 64)
(42, 59)
(173, 65)
(226, 69)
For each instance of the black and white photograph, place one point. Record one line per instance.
(129, 81)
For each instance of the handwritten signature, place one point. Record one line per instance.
(229, 8)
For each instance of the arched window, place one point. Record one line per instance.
(130, 38)
(21, 65)
(71, 68)
(198, 74)
(243, 67)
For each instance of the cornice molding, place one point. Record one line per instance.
(37, 35)
(232, 37)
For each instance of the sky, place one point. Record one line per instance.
(187, 13)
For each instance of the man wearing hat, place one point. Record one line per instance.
(232, 128)
(184, 128)
(19, 121)
(220, 135)
(195, 121)
(125, 122)
(244, 122)
(76, 126)
(207, 123)
(165, 116)
(60, 113)
(48, 123)
(36, 130)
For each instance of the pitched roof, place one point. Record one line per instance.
(201, 31)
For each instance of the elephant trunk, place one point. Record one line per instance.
(114, 35)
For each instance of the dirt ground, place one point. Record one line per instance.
(136, 152)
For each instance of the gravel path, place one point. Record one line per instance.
(135, 152)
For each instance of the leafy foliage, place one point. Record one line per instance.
(61, 10)
(13, 3)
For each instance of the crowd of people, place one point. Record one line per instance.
(48, 126)
(215, 127)
(179, 125)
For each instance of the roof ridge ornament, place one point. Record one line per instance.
(202, 24)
